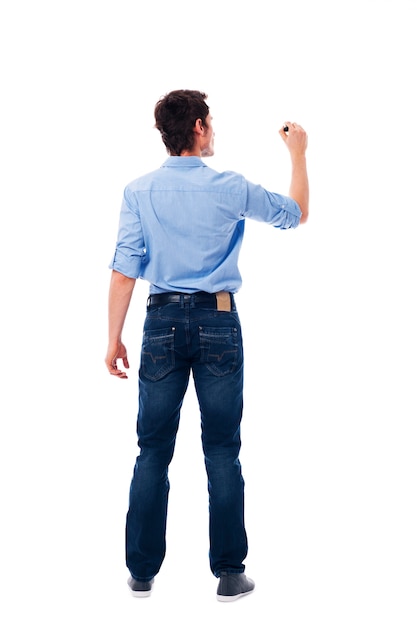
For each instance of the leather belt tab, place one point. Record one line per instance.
(224, 301)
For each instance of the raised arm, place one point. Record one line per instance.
(296, 141)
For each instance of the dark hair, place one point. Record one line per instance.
(175, 116)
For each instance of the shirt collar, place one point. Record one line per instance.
(183, 161)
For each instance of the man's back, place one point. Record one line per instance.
(190, 222)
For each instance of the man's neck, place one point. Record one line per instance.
(187, 153)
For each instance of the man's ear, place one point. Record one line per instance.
(199, 127)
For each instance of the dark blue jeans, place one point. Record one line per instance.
(179, 339)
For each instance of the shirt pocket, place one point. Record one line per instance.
(158, 355)
(219, 349)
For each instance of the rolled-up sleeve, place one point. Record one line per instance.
(273, 208)
(130, 249)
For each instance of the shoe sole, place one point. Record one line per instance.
(141, 594)
(233, 598)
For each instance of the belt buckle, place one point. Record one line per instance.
(224, 301)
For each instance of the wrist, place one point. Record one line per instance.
(298, 158)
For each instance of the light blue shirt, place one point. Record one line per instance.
(181, 226)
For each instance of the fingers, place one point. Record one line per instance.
(294, 136)
(119, 374)
(114, 371)
(111, 362)
(288, 127)
(284, 129)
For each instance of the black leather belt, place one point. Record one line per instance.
(222, 300)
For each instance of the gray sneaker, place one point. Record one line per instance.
(233, 586)
(139, 588)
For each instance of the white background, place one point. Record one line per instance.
(328, 310)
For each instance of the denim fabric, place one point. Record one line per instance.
(179, 339)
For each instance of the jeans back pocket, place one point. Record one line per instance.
(158, 356)
(219, 349)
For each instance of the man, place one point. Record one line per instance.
(181, 229)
